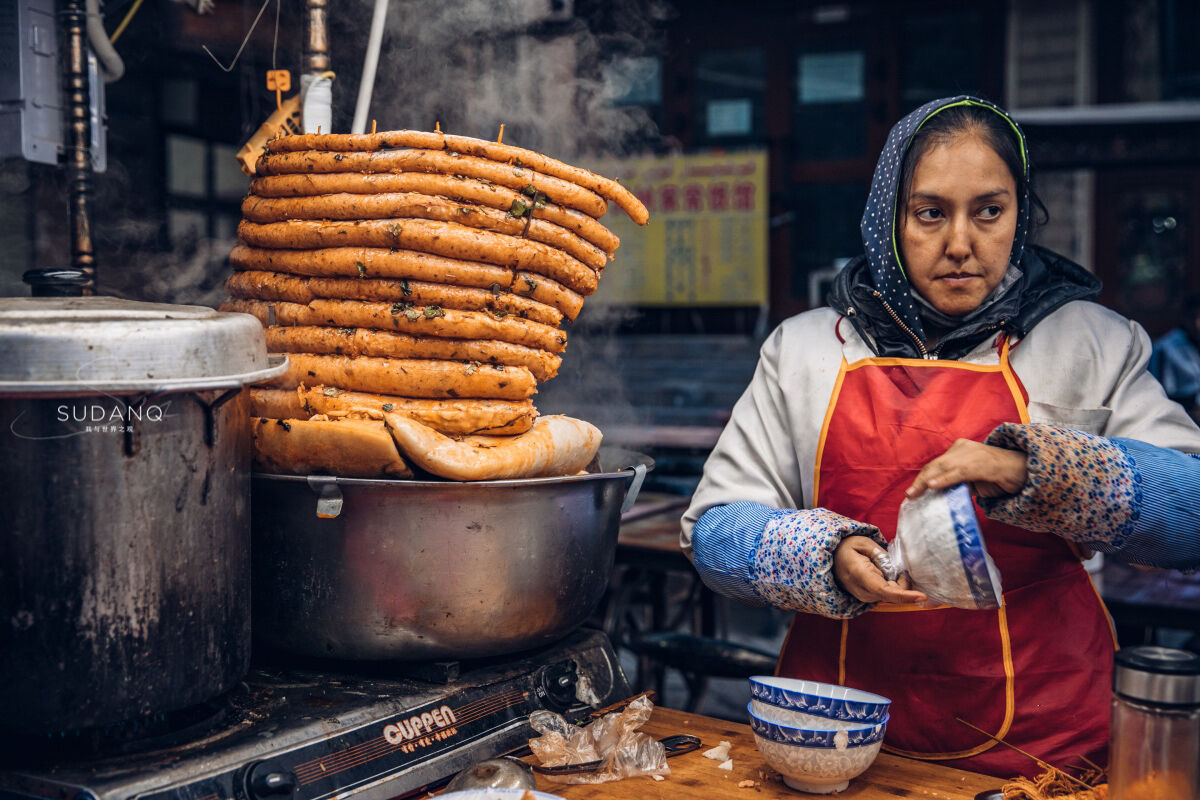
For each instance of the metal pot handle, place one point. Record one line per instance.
(635, 486)
(329, 495)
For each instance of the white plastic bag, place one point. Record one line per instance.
(614, 740)
(939, 544)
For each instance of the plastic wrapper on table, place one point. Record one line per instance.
(613, 740)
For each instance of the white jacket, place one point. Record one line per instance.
(1083, 366)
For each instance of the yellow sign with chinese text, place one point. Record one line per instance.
(706, 242)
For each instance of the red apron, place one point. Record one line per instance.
(1037, 671)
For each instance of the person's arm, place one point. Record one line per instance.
(785, 558)
(742, 529)
(1131, 492)
(1136, 501)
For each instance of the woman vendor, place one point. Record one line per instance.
(953, 351)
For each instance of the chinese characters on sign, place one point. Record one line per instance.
(706, 242)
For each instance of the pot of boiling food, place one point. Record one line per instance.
(413, 570)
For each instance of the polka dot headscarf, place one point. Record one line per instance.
(880, 239)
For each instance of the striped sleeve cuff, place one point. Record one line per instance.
(722, 541)
(1166, 532)
(792, 566)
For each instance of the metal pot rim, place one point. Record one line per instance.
(277, 365)
(92, 345)
(328, 487)
(448, 484)
(633, 459)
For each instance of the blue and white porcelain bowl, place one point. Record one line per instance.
(817, 760)
(941, 547)
(819, 699)
(784, 716)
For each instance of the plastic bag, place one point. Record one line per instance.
(614, 740)
(939, 544)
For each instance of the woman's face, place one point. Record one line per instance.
(956, 234)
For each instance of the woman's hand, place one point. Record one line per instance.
(857, 574)
(991, 471)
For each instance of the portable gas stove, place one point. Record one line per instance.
(365, 731)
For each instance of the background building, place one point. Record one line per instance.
(1109, 91)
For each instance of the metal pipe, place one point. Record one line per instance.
(316, 51)
(110, 61)
(79, 137)
(367, 85)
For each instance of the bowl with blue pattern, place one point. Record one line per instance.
(817, 760)
(819, 699)
(785, 716)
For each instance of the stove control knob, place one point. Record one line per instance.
(557, 685)
(267, 780)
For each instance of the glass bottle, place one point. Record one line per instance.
(1155, 751)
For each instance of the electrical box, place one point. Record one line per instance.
(31, 96)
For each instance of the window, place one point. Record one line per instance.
(825, 230)
(187, 160)
(633, 80)
(730, 90)
(203, 181)
(831, 109)
(941, 56)
(1180, 56)
(179, 102)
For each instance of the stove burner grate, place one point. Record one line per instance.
(158, 731)
(328, 733)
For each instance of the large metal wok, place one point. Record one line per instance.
(418, 570)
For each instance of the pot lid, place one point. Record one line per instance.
(1160, 675)
(83, 345)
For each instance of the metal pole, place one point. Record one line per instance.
(79, 136)
(316, 51)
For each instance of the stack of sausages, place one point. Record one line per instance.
(418, 275)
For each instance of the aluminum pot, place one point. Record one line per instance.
(420, 570)
(124, 552)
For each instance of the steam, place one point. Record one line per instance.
(132, 263)
(474, 64)
(471, 65)
(589, 384)
(193, 274)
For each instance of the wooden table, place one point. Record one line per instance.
(649, 532)
(694, 777)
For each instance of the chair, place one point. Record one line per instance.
(660, 610)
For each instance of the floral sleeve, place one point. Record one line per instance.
(784, 558)
(1136, 501)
